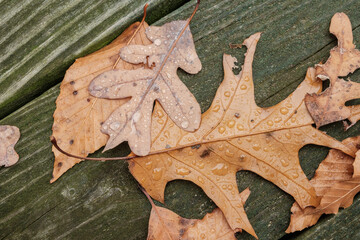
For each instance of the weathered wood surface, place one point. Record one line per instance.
(97, 200)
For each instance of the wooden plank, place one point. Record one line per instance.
(101, 200)
(39, 39)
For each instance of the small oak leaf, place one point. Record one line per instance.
(172, 48)
(329, 106)
(9, 135)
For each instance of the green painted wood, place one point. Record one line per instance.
(39, 39)
(101, 200)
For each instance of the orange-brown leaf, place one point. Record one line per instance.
(334, 183)
(9, 135)
(78, 115)
(329, 106)
(167, 225)
(236, 134)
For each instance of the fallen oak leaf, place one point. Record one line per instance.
(234, 135)
(329, 106)
(78, 115)
(334, 183)
(165, 224)
(172, 48)
(9, 135)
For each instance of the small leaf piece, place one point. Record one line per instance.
(9, 135)
(167, 225)
(172, 47)
(329, 106)
(78, 115)
(235, 134)
(334, 183)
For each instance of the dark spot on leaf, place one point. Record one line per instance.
(88, 100)
(205, 153)
(181, 232)
(71, 142)
(197, 146)
(295, 112)
(59, 164)
(75, 92)
(156, 89)
(134, 84)
(72, 82)
(358, 146)
(101, 123)
(167, 146)
(252, 120)
(237, 115)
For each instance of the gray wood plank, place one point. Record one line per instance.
(39, 39)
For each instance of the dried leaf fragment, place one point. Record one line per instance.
(334, 183)
(212, 226)
(78, 115)
(329, 106)
(172, 48)
(235, 134)
(9, 135)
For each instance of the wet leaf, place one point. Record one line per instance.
(334, 183)
(235, 134)
(172, 48)
(165, 224)
(329, 106)
(78, 115)
(357, 164)
(9, 135)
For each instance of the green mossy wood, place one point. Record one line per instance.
(40, 39)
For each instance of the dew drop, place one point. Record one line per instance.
(201, 180)
(157, 173)
(221, 130)
(270, 123)
(256, 147)
(224, 187)
(227, 94)
(288, 135)
(160, 113)
(243, 87)
(284, 110)
(277, 119)
(160, 121)
(157, 42)
(229, 187)
(200, 165)
(231, 124)
(288, 105)
(185, 124)
(190, 153)
(229, 153)
(221, 147)
(220, 169)
(240, 127)
(183, 171)
(216, 108)
(114, 126)
(295, 175)
(247, 79)
(284, 163)
(284, 182)
(148, 165)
